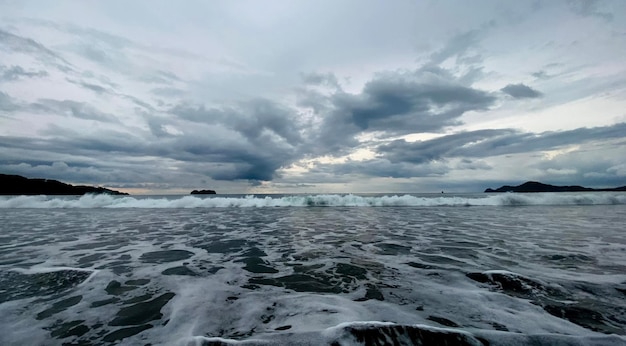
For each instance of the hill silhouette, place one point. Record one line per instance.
(534, 186)
(18, 185)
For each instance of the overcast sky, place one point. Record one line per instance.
(313, 96)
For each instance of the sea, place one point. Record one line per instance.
(334, 269)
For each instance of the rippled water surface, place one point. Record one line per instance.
(178, 276)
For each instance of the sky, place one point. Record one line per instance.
(159, 97)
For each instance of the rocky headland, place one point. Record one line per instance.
(18, 185)
(533, 186)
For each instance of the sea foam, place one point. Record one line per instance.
(322, 200)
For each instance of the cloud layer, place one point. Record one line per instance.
(247, 101)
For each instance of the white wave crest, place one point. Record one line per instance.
(330, 200)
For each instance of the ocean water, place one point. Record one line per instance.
(501, 269)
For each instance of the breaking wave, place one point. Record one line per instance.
(328, 200)
(384, 333)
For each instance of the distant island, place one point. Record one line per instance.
(203, 192)
(533, 186)
(18, 185)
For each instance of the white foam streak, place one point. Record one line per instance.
(506, 199)
(45, 270)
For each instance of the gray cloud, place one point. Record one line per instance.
(541, 74)
(197, 105)
(93, 87)
(520, 91)
(586, 166)
(160, 77)
(487, 143)
(17, 72)
(110, 51)
(168, 92)
(60, 170)
(15, 43)
(98, 89)
(436, 157)
(324, 79)
(381, 167)
(74, 109)
(266, 133)
(442, 147)
(397, 103)
(260, 136)
(253, 119)
(249, 142)
(7, 103)
(589, 8)
(458, 47)
(473, 165)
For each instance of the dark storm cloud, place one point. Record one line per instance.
(248, 141)
(521, 91)
(221, 154)
(228, 158)
(17, 72)
(265, 137)
(314, 100)
(253, 119)
(397, 103)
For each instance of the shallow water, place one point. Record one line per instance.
(502, 269)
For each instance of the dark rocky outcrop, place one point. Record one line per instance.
(533, 186)
(203, 192)
(18, 185)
